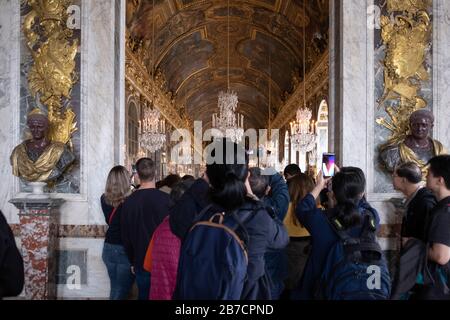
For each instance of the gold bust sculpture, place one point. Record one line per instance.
(39, 159)
(416, 147)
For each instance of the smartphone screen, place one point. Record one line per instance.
(328, 161)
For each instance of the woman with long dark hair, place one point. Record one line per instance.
(117, 188)
(227, 190)
(347, 205)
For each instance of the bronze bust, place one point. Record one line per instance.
(417, 146)
(39, 159)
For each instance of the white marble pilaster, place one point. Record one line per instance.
(354, 84)
(441, 70)
(99, 116)
(9, 99)
(355, 104)
(120, 26)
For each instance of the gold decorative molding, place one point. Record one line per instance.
(52, 75)
(153, 91)
(316, 80)
(408, 5)
(137, 75)
(407, 38)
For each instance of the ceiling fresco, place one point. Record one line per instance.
(190, 49)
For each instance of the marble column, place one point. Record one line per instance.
(38, 231)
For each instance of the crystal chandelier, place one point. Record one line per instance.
(227, 121)
(303, 137)
(152, 130)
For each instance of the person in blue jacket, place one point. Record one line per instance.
(270, 187)
(347, 204)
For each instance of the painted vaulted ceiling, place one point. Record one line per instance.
(187, 41)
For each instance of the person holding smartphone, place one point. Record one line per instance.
(347, 204)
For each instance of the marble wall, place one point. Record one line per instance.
(9, 100)
(441, 75)
(101, 123)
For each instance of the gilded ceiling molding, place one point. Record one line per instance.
(136, 74)
(316, 80)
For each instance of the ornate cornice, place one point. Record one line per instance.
(136, 74)
(152, 90)
(316, 80)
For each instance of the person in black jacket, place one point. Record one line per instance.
(142, 212)
(11, 263)
(226, 187)
(117, 188)
(407, 178)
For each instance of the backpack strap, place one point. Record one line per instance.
(369, 226)
(354, 246)
(338, 228)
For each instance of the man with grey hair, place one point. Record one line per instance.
(419, 201)
(417, 147)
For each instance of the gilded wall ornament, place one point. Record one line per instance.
(52, 74)
(47, 155)
(407, 38)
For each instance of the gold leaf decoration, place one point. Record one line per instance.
(407, 40)
(52, 75)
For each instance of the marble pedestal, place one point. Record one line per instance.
(39, 220)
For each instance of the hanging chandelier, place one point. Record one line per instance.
(152, 130)
(303, 135)
(228, 123)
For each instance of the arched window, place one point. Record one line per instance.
(133, 128)
(322, 130)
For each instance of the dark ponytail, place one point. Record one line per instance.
(227, 173)
(348, 187)
(348, 214)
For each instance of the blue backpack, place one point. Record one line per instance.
(213, 259)
(355, 268)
